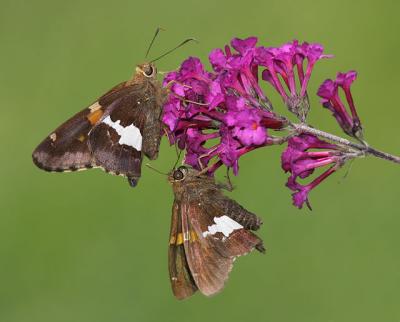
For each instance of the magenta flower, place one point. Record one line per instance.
(245, 122)
(227, 105)
(329, 92)
(196, 153)
(283, 63)
(217, 116)
(238, 72)
(304, 154)
(172, 113)
(247, 127)
(243, 46)
(229, 150)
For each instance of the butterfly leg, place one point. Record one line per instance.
(228, 185)
(200, 163)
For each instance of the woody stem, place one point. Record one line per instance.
(302, 128)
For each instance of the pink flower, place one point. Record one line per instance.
(284, 63)
(304, 154)
(329, 93)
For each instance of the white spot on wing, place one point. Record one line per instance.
(224, 225)
(129, 135)
(94, 107)
(53, 136)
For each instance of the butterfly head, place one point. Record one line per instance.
(148, 70)
(178, 174)
(187, 176)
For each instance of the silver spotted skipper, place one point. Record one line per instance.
(113, 133)
(208, 231)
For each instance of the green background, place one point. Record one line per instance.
(85, 247)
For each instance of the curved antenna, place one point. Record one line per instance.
(171, 50)
(178, 153)
(178, 157)
(163, 173)
(152, 41)
(156, 170)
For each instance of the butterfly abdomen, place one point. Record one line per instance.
(246, 218)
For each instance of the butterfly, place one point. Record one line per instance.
(208, 231)
(113, 133)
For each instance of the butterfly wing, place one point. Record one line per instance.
(86, 140)
(217, 202)
(213, 228)
(212, 239)
(182, 281)
(146, 99)
(66, 148)
(120, 139)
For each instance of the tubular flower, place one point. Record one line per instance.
(301, 163)
(226, 106)
(329, 93)
(219, 115)
(283, 64)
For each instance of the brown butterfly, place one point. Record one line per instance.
(114, 132)
(208, 231)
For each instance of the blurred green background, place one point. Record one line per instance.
(85, 247)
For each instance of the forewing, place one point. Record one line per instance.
(146, 98)
(66, 147)
(116, 141)
(182, 281)
(112, 133)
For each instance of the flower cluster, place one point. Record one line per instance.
(227, 105)
(217, 116)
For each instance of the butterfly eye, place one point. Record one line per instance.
(178, 175)
(183, 169)
(148, 71)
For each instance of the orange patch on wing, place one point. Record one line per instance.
(179, 239)
(81, 138)
(193, 236)
(95, 116)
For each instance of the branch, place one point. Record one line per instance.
(302, 128)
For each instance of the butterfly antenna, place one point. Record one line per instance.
(152, 41)
(156, 170)
(173, 49)
(177, 150)
(178, 157)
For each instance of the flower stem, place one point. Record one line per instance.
(302, 128)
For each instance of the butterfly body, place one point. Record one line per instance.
(208, 231)
(113, 133)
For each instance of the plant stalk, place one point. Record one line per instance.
(302, 128)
